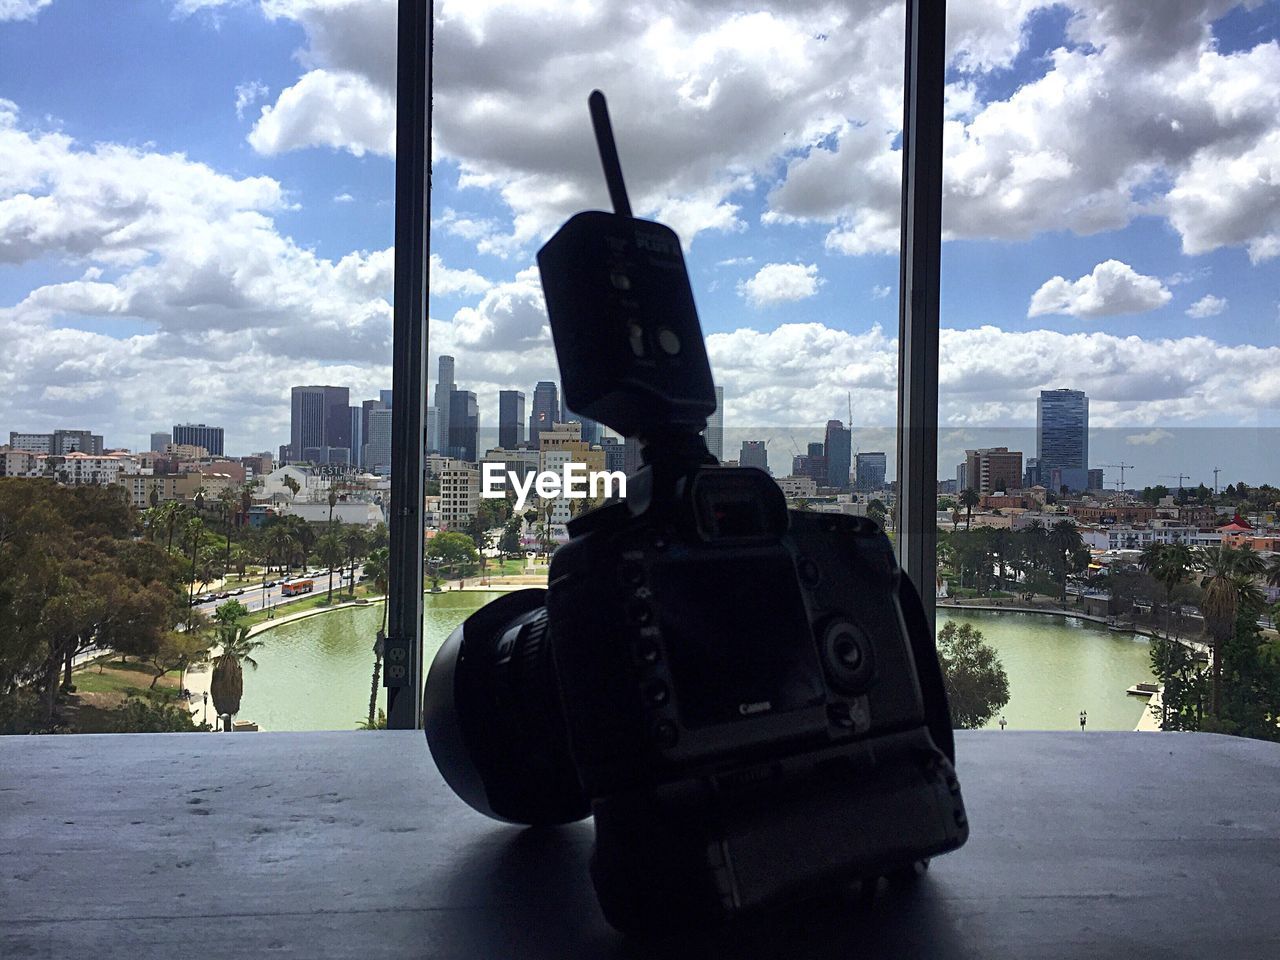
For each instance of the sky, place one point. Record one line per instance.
(196, 210)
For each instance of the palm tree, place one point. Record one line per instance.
(1065, 540)
(226, 685)
(292, 484)
(330, 550)
(194, 532)
(969, 499)
(377, 569)
(227, 500)
(280, 544)
(1228, 582)
(357, 543)
(1169, 564)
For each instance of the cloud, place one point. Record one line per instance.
(11, 10)
(446, 281)
(1148, 439)
(1207, 306)
(879, 292)
(1113, 288)
(344, 198)
(781, 282)
(247, 94)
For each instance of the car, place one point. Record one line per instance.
(224, 596)
(238, 592)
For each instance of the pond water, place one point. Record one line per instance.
(315, 674)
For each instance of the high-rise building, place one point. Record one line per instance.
(993, 469)
(1031, 475)
(444, 387)
(376, 455)
(464, 425)
(320, 416)
(715, 427)
(58, 443)
(199, 435)
(615, 453)
(510, 419)
(754, 454)
(160, 440)
(385, 397)
(1062, 431)
(357, 436)
(839, 450)
(870, 469)
(546, 409)
(431, 430)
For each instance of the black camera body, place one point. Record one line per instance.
(747, 699)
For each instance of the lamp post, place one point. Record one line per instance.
(1003, 721)
(1084, 718)
(206, 708)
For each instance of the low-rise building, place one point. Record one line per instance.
(15, 462)
(80, 469)
(459, 494)
(793, 487)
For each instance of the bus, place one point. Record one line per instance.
(297, 588)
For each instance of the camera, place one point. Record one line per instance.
(746, 698)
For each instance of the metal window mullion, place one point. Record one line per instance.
(918, 295)
(409, 362)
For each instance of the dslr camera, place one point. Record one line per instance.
(746, 698)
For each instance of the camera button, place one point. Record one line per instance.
(665, 734)
(648, 651)
(668, 341)
(656, 693)
(620, 281)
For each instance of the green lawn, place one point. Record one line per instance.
(128, 679)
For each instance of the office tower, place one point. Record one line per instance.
(839, 450)
(376, 454)
(962, 477)
(464, 425)
(357, 436)
(993, 469)
(510, 419)
(546, 408)
(320, 416)
(632, 455)
(385, 397)
(58, 443)
(591, 431)
(614, 454)
(870, 469)
(160, 440)
(326, 455)
(715, 427)
(1062, 432)
(444, 387)
(754, 454)
(1031, 476)
(199, 435)
(431, 430)
(1095, 479)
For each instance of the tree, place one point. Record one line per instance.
(230, 611)
(969, 499)
(331, 552)
(510, 542)
(452, 549)
(291, 484)
(377, 568)
(177, 650)
(356, 544)
(1184, 688)
(1228, 584)
(977, 685)
(226, 685)
(1066, 543)
(1169, 564)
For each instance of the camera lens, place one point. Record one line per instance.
(847, 653)
(493, 719)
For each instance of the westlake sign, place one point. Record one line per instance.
(573, 482)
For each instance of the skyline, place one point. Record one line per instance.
(216, 227)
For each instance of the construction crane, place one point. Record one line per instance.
(1123, 467)
(1180, 477)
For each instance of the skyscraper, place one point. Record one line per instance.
(357, 436)
(160, 440)
(715, 427)
(199, 435)
(754, 454)
(464, 425)
(510, 419)
(870, 468)
(319, 417)
(546, 408)
(376, 454)
(1062, 437)
(444, 386)
(839, 449)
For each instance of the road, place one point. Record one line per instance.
(258, 598)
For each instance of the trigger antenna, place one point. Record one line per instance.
(608, 154)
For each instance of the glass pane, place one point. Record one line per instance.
(195, 286)
(1108, 392)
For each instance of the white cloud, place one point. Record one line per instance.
(1207, 306)
(446, 281)
(328, 109)
(1112, 288)
(1148, 439)
(21, 9)
(344, 198)
(247, 94)
(880, 292)
(781, 282)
